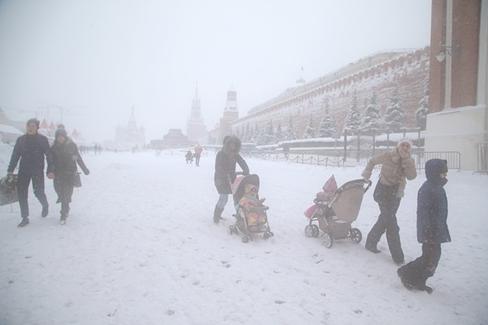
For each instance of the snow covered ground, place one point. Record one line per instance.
(140, 248)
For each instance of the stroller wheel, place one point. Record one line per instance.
(267, 234)
(245, 239)
(327, 240)
(355, 235)
(312, 231)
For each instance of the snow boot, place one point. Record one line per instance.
(23, 223)
(45, 211)
(217, 215)
(372, 248)
(62, 220)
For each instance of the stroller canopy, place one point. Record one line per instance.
(348, 198)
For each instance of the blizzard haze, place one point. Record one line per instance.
(97, 59)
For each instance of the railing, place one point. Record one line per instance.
(453, 158)
(483, 158)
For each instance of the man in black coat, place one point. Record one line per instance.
(432, 227)
(225, 172)
(31, 149)
(65, 158)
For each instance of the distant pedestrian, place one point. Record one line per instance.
(225, 172)
(189, 157)
(396, 167)
(198, 153)
(31, 149)
(64, 171)
(432, 228)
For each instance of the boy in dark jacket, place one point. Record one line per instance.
(432, 227)
(225, 172)
(31, 149)
(65, 158)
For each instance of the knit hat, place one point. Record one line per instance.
(405, 140)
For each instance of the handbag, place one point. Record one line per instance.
(76, 180)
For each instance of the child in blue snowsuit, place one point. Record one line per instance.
(432, 228)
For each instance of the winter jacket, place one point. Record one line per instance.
(31, 150)
(225, 165)
(432, 205)
(65, 157)
(394, 170)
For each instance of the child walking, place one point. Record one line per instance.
(432, 228)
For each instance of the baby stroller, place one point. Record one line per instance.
(251, 220)
(335, 214)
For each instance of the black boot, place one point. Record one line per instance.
(45, 211)
(23, 223)
(217, 215)
(372, 248)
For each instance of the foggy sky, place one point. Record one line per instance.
(97, 59)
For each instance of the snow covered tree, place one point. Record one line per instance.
(353, 118)
(394, 116)
(328, 125)
(269, 136)
(423, 110)
(290, 131)
(371, 117)
(279, 133)
(309, 129)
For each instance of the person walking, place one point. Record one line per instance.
(63, 170)
(198, 153)
(396, 167)
(31, 149)
(432, 228)
(225, 172)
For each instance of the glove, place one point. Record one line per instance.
(86, 172)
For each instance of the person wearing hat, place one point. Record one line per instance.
(225, 172)
(396, 167)
(63, 170)
(31, 149)
(432, 228)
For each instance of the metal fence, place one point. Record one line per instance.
(482, 158)
(453, 158)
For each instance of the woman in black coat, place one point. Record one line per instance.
(65, 158)
(225, 172)
(432, 228)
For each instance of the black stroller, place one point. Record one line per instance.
(335, 216)
(251, 219)
(8, 190)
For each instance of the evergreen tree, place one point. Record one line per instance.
(279, 133)
(423, 110)
(353, 118)
(371, 117)
(309, 129)
(394, 116)
(328, 126)
(269, 133)
(290, 131)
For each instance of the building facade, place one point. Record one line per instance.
(384, 80)
(458, 119)
(130, 136)
(226, 124)
(195, 129)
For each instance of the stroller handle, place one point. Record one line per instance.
(369, 185)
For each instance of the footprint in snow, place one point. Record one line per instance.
(170, 312)
(279, 302)
(358, 311)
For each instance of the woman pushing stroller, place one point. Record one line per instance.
(225, 172)
(396, 167)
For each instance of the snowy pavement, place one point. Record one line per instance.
(140, 248)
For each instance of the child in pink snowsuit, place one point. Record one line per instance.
(249, 201)
(328, 191)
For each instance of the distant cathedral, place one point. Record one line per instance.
(130, 136)
(195, 129)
